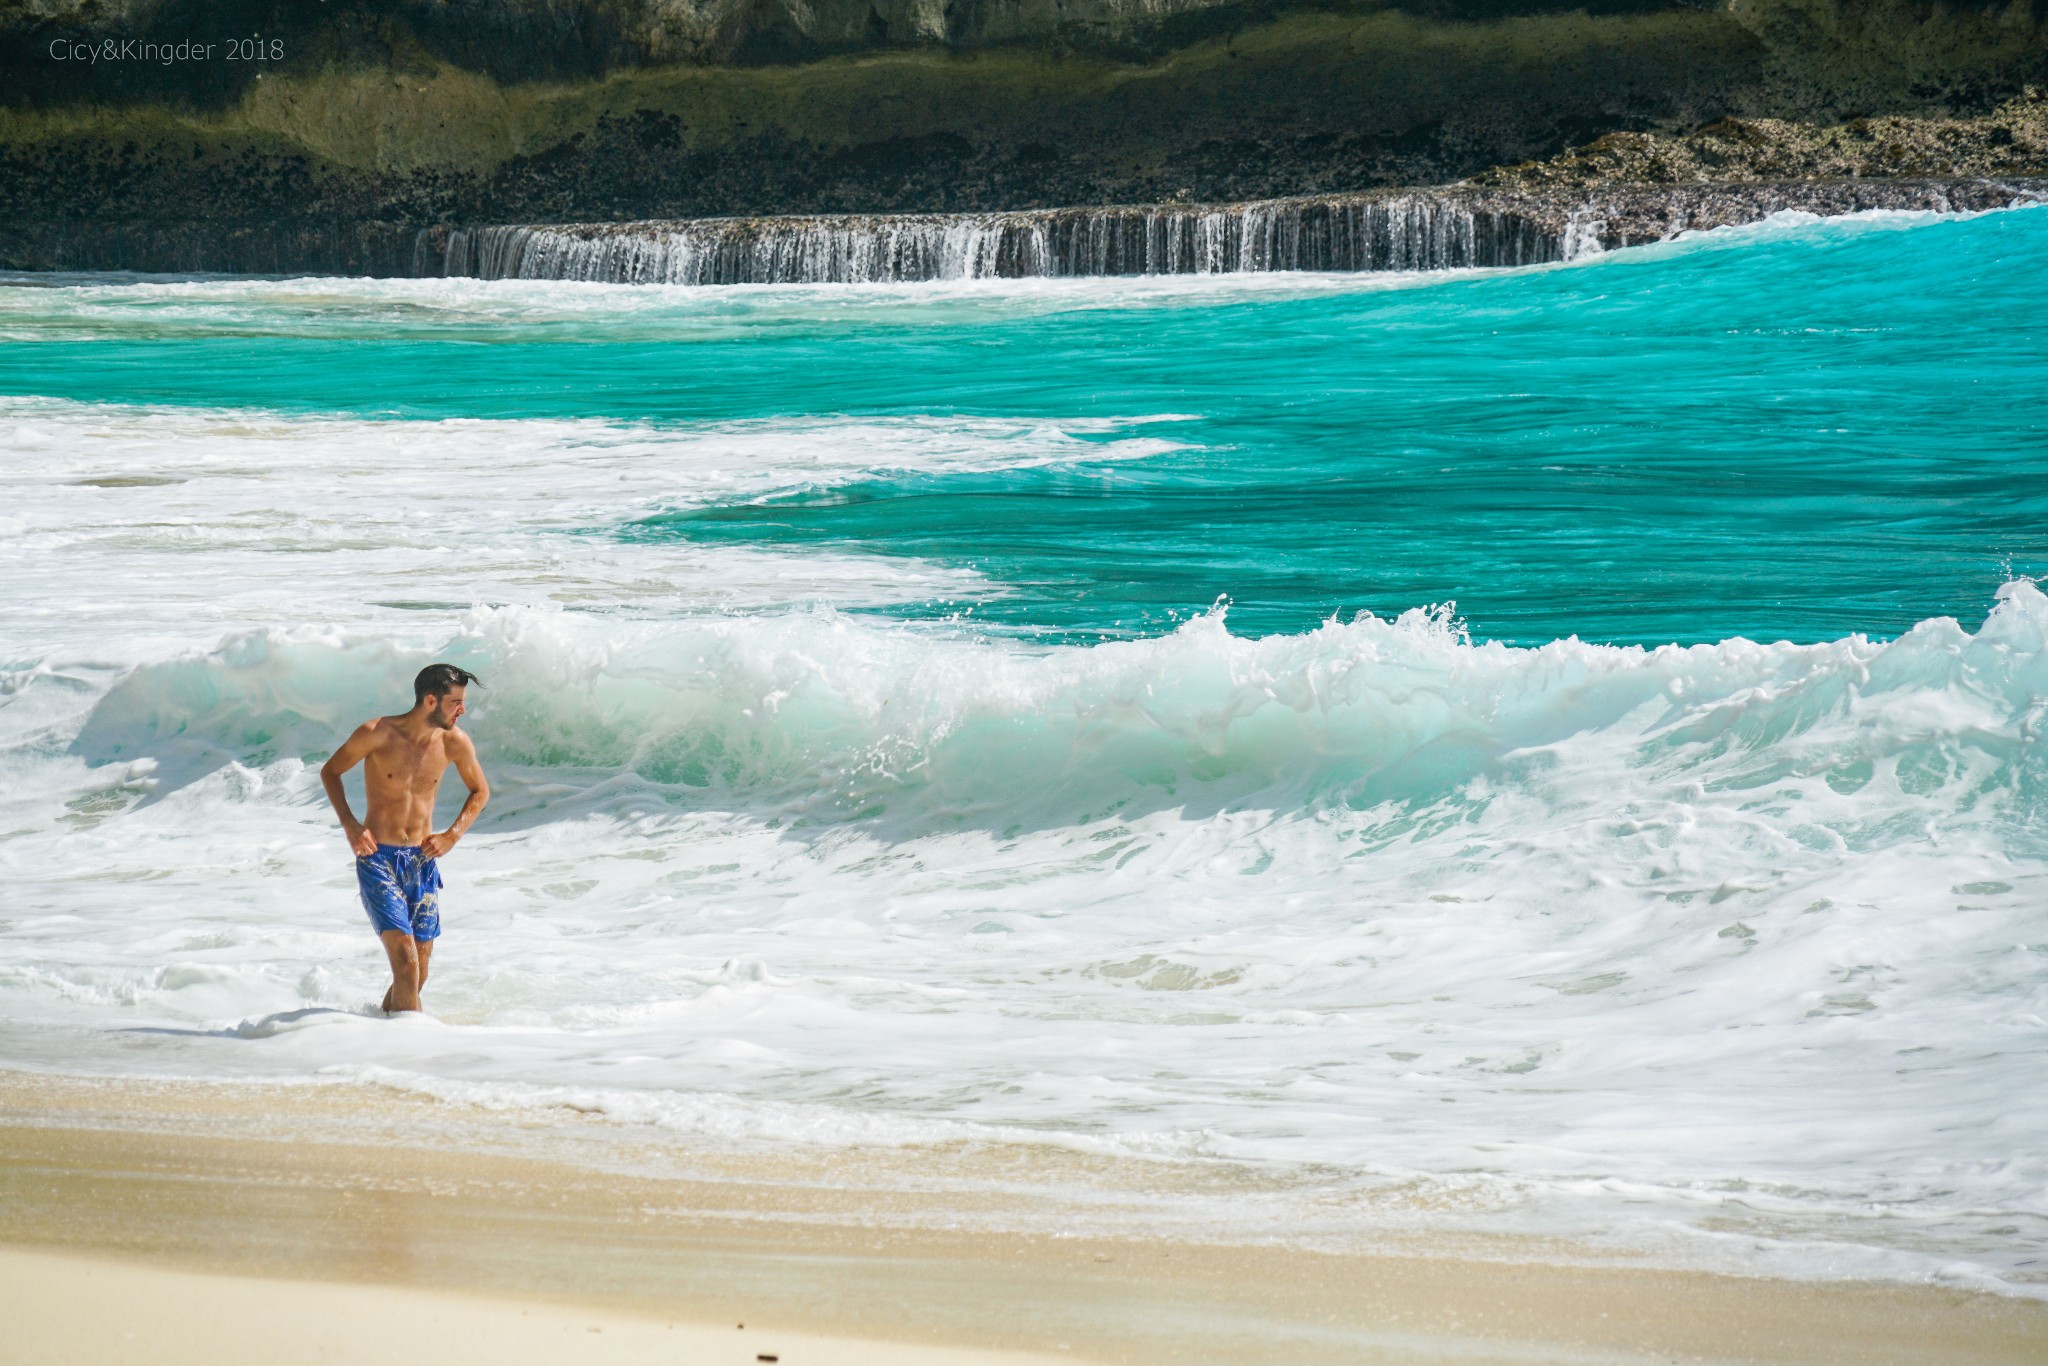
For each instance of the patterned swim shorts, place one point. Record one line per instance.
(401, 890)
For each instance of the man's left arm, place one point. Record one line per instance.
(462, 753)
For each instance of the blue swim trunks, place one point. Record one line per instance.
(401, 890)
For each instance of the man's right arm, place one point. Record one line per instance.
(352, 752)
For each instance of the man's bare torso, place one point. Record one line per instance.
(403, 758)
(402, 776)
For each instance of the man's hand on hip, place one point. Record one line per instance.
(361, 840)
(438, 843)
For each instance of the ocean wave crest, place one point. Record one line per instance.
(847, 716)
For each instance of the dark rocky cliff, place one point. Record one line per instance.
(363, 120)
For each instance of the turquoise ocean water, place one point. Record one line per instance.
(1569, 739)
(1789, 438)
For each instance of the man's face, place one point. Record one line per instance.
(447, 709)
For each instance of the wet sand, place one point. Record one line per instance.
(275, 1223)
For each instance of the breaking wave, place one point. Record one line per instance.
(844, 716)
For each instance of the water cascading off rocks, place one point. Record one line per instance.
(1410, 232)
(1413, 230)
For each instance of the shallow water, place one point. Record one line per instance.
(875, 763)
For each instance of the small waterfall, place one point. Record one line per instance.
(1413, 231)
(1584, 235)
(1441, 229)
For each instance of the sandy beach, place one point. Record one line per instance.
(64, 1308)
(179, 1222)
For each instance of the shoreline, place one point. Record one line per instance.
(101, 1177)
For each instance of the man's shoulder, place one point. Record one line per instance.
(456, 740)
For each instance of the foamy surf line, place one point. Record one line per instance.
(782, 1167)
(754, 1244)
(193, 509)
(85, 309)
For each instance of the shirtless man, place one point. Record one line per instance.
(403, 758)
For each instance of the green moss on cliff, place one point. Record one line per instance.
(1406, 96)
(1408, 69)
(1306, 100)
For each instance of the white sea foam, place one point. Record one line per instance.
(85, 308)
(1740, 930)
(1731, 953)
(200, 516)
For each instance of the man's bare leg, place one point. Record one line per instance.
(426, 951)
(406, 974)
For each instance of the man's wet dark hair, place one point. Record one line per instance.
(436, 679)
